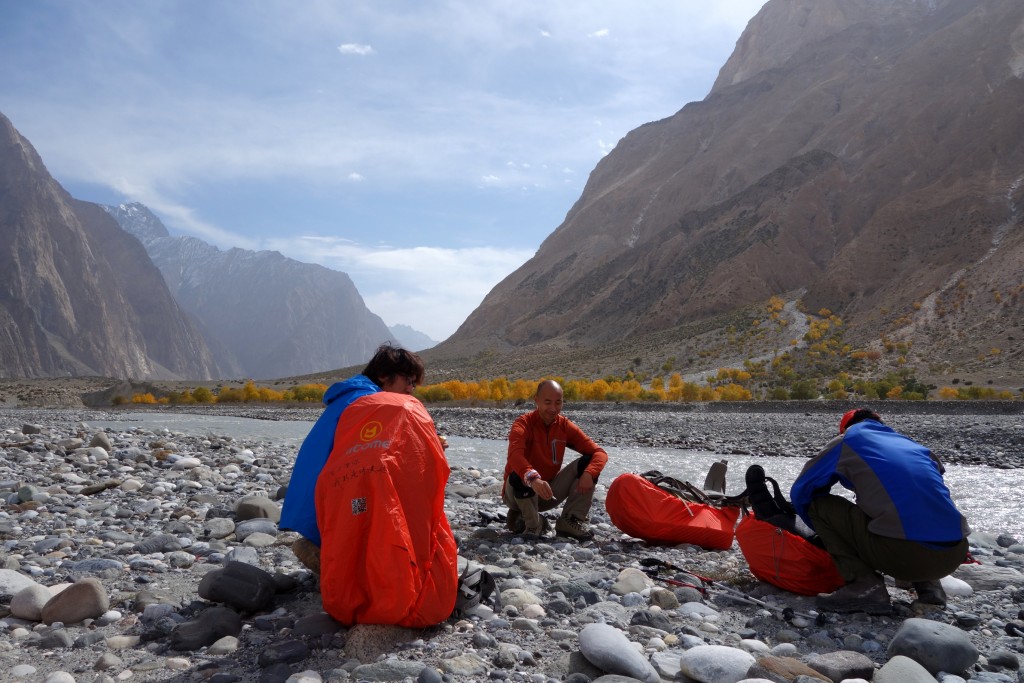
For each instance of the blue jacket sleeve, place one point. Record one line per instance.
(299, 510)
(816, 479)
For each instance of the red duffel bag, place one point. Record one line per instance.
(786, 560)
(642, 509)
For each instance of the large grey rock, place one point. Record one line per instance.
(84, 599)
(902, 669)
(29, 602)
(609, 649)
(239, 585)
(842, 665)
(716, 663)
(12, 582)
(934, 645)
(208, 627)
(986, 577)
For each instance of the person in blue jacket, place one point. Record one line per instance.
(391, 369)
(904, 522)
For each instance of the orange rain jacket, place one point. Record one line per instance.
(534, 445)
(388, 554)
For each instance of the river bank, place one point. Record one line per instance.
(147, 515)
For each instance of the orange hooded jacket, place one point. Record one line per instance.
(388, 554)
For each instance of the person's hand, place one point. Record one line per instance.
(585, 483)
(443, 440)
(542, 489)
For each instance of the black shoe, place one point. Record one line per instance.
(929, 593)
(761, 499)
(514, 521)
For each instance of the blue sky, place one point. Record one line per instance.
(425, 148)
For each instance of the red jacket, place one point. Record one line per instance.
(534, 445)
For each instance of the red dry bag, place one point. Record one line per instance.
(786, 560)
(642, 509)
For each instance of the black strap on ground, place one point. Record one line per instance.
(787, 613)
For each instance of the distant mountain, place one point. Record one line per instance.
(77, 296)
(411, 339)
(266, 316)
(860, 156)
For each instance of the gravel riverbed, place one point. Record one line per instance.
(134, 520)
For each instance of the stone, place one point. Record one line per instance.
(262, 525)
(716, 663)
(286, 651)
(986, 577)
(608, 648)
(12, 582)
(29, 602)
(367, 642)
(253, 507)
(631, 580)
(84, 599)
(841, 665)
(101, 440)
(902, 669)
(208, 627)
(391, 669)
(219, 527)
(158, 543)
(934, 645)
(239, 585)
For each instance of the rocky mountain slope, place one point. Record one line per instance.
(859, 156)
(265, 315)
(76, 297)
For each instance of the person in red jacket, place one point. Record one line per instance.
(535, 480)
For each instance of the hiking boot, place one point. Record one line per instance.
(514, 521)
(761, 500)
(308, 553)
(930, 593)
(573, 528)
(538, 531)
(863, 595)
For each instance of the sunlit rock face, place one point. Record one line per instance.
(867, 155)
(77, 296)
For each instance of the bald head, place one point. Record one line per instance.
(548, 400)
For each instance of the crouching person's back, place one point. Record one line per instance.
(388, 553)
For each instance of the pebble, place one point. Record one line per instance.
(175, 569)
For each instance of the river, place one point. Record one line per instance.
(991, 499)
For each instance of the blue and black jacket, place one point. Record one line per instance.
(897, 482)
(299, 510)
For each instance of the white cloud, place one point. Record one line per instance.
(355, 49)
(456, 91)
(429, 288)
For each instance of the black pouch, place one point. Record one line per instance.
(519, 487)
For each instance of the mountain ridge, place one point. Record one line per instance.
(269, 315)
(872, 164)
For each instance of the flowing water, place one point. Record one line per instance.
(991, 499)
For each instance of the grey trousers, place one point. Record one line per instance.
(859, 554)
(564, 486)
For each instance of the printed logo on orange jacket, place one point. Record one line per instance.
(370, 434)
(370, 430)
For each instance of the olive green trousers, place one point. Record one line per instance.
(860, 554)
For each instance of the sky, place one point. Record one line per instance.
(424, 148)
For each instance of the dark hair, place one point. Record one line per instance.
(858, 415)
(392, 361)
